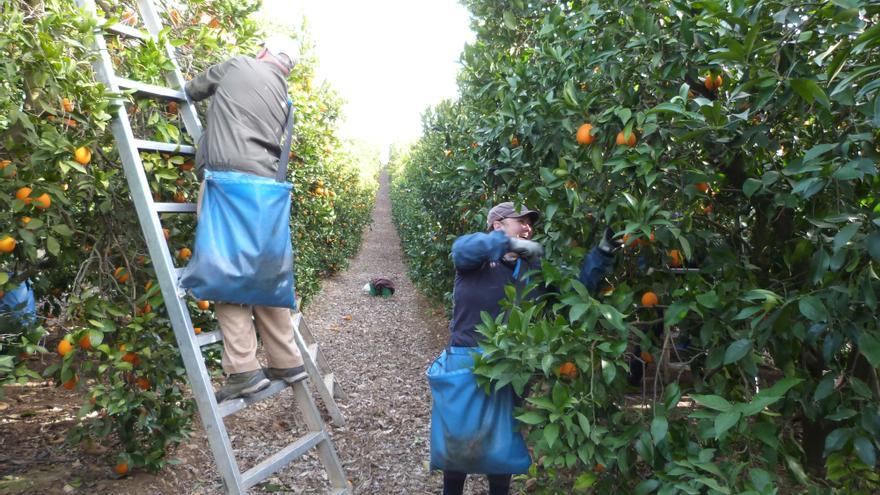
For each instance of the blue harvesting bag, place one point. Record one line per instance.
(472, 432)
(242, 253)
(19, 304)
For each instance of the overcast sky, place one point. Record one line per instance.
(389, 59)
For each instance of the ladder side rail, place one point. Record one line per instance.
(315, 373)
(175, 77)
(177, 311)
(326, 450)
(333, 385)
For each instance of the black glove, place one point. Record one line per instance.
(608, 244)
(530, 250)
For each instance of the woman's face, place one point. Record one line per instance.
(515, 227)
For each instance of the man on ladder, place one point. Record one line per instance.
(245, 123)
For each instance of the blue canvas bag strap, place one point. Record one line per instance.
(281, 176)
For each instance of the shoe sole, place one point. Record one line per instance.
(290, 380)
(248, 391)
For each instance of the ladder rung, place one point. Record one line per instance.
(207, 338)
(129, 31)
(150, 89)
(233, 406)
(185, 149)
(281, 458)
(175, 207)
(684, 270)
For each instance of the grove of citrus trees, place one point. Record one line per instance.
(734, 145)
(68, 225)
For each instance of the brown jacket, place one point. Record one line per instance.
(246, 116)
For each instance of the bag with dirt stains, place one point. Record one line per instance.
(471, 431)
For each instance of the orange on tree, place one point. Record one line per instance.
(82, 155)
(568, 370)
(186, 166)
(171, 107)
(121, 469)
(70, 384)
(129, 18)
(184, 253)
(514, 141)
(703, 187)
(203, 305)
(130, 357)
(67, 105)
(64, 347)
(675, 258)
(7, 244)
(649, 299)
(85, 342)
(623, 140)
(583, 135)
(143, 383)
(599, 468)
(25, 220)
(197, 330)
(23, 194)
(43, 201)
(646, 357)
(4, 163)
(121, 274)
(713, 83)
(179, 197)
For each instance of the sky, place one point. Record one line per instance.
(388, 59)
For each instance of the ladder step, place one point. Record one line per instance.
(208, 338)
(183, 149)
(233, 406)
(281, 458)
(129, 31)
(175, 207)
(150, 89)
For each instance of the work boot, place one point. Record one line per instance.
(289, 375)
(242, 385)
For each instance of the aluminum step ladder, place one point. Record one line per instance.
(325, 380)
(188, 342)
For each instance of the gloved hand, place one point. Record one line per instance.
(608, 244)
(530, 250)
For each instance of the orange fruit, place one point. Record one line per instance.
(179, 197)
(568, 370)
(599, 468)
(184, 253)
(709, 82)
(708, 209)
(121, 469)
(514, 141)
(146, 309)
(174, 15)
(646, 357)
(64, 347)
(649, 299)
(197, 330)
(121, 275)
(171, 107)
(7, 244)
(129, 357)
(67, 105)
(703, 187)
(4, 163)
(148, 285)
(186, 166)
(43, 201)
(675, 258)
(319, 191)
(70, 123)
(143, 383)
(203, 305)
(23, 194)
(25, 220)
(621, 140)
(85, 342)
(718, 81)
(129, 18)
(82, 155)
(583, 135)
(70, 384)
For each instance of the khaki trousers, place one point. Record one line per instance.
(237, 324)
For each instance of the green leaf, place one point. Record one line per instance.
(676, 312)
(509, 20)
(646, 487)
(531, 418)
(837, 439)
(865, 450)
(869, 346)
(737, 350)
(585, 480)
(708, 300)
(551, 434)
(713, 402)
(817, 151)
(659, 428)
(725, 421)
(810, 91)
(874, 245)
(584, 423)
(52, 245)
(750, 186)
(813, 308)
(845, 234)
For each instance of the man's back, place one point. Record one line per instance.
(245, 118)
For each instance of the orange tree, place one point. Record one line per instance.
(65, 204)
(737, 139)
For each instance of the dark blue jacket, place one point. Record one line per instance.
(480, 277)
